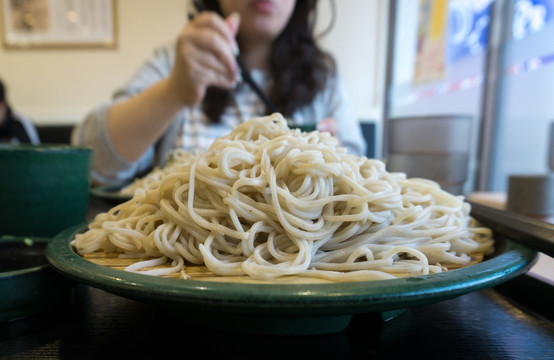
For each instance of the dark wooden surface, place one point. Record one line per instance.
(495, 323)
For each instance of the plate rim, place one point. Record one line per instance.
(110, 192)
(327, 298)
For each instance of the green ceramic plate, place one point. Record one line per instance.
(28, 283)
(288, 309)
(110, 193)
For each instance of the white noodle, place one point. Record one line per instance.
(174, 160)
(266, 201)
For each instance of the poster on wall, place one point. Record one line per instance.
(58, 23)
(531, 16)
(430, 60)
(468, 28)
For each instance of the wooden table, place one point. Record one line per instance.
(511, 321)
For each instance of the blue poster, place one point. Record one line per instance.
(530, 16)
(468, 28)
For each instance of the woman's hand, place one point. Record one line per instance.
(205, 56)
(329, 125)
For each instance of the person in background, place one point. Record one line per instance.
(190, 92)
(14, 128)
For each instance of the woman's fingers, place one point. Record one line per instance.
(212, 44)
(205, 56)
(226, 28)
(329, 125)
(217, 35)
(214, 36)
(233, 22)
(206, 69)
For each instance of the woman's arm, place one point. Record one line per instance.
(134, 125)
(204, 57)
(122, 133)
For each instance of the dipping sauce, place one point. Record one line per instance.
(22, 255)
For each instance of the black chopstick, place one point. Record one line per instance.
(533, 233)
(250, 81)
(245, 73)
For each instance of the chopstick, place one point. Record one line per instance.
(533, 233)
(245, 73)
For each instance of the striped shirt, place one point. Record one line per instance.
(197, 133)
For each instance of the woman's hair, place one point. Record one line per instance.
(299, 69)
(2, 91)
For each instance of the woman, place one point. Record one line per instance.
(190, 93)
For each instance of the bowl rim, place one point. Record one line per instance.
(10, 239)
(44, 147)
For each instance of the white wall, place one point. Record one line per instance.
(62, 85)
(358, 42)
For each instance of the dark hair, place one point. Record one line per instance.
(4, 99)
(2, 91)
(11, 128)
(299, 69)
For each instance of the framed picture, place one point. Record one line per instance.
(59, 23)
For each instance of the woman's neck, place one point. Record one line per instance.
(256, 56)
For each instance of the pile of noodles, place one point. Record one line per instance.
(267, 201)
(174, 161)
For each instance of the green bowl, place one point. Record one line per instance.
(43, 188)
(28, 283)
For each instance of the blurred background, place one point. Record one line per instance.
(484, 67)
(457, 91)
(493, 62)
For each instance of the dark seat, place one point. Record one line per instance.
(54, 134)
(368, 132)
